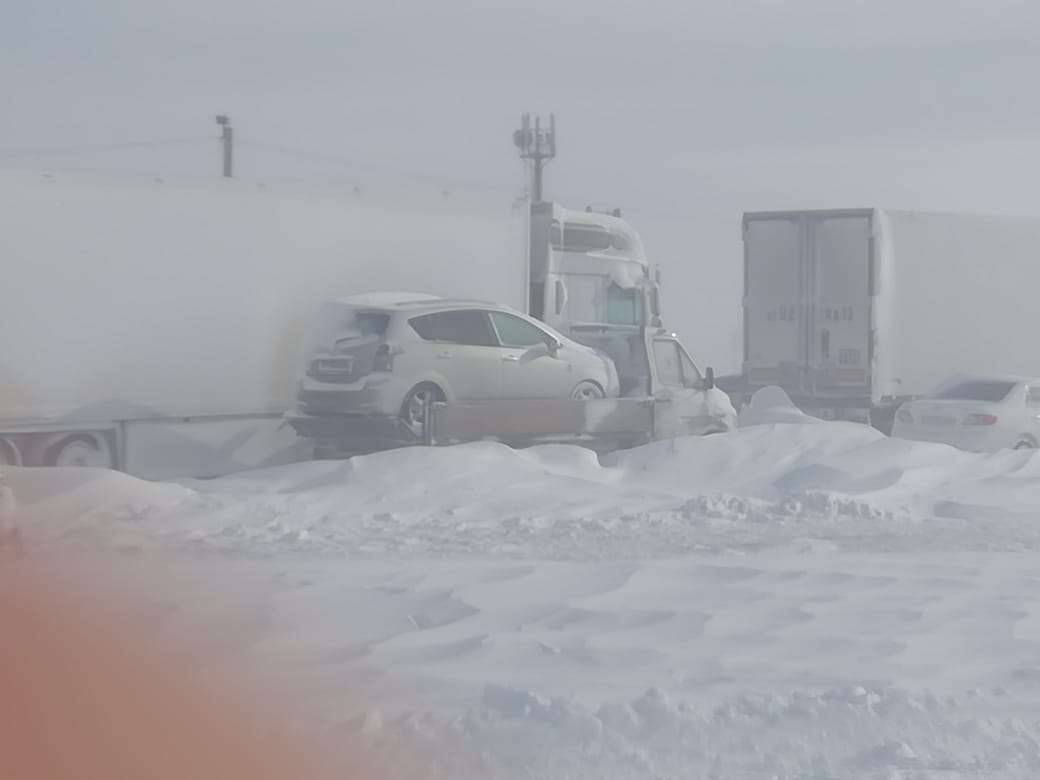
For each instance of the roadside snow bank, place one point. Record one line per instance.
(769, 484)
(69, 502)
(771, 406)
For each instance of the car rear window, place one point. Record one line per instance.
(977, 390)
(338, 322)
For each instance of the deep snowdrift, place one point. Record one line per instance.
(789, 600)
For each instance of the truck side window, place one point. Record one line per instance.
(584, 238)
(469, 327)
(515, 332)
(691, 374)
(668, 361)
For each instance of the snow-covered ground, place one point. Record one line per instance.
(791, 600)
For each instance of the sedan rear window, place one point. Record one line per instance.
(977, 390)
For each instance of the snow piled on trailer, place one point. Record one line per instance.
(788, 600)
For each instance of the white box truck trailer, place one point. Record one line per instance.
(157, 326)
(854, 311)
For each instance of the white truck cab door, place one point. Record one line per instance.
(684, 406)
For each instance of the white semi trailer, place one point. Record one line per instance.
(158, 326)
(854, 311)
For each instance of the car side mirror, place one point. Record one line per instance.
(709, 378)
(553, 348)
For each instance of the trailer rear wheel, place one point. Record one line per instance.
(82, 450)
(9, 454)
(588, 391)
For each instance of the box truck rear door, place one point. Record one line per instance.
(840, 317)
(774, 301)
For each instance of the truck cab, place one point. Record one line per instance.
(588, 268)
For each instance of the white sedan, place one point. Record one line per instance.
(981, 414)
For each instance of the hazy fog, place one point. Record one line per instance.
(684, 114)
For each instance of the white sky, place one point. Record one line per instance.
(682, 113)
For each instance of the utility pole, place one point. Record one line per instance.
(226, 137)
(537, 145)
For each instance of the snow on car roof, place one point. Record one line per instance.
(385, 298)
(389, 300)
(1009, 378)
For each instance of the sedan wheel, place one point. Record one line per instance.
(1025, 444)
(413, 412)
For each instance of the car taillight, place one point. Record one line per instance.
(980, 419)
(904, 417)
(384, 359)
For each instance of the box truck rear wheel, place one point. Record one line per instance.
(9, 454)
(81, 449)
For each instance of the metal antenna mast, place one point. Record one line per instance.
(538, 145)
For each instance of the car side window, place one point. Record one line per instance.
(467, 326)
(515, 332)
(668, 360)
(1033, 396)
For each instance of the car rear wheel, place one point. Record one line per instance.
(1026, 443)
(413, 411)
(588, 391)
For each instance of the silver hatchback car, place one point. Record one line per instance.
(389, 354)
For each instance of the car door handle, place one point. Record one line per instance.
(511, 359)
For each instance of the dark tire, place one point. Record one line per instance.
(1026, 443)
(587, 391)
(9, 455)
(413, 410)
(80, 450)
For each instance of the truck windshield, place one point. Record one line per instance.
(977, 390)
(624, 307)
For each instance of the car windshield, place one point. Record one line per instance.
(977, 390)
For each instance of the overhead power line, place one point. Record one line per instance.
(359, 168)
(50, 151)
